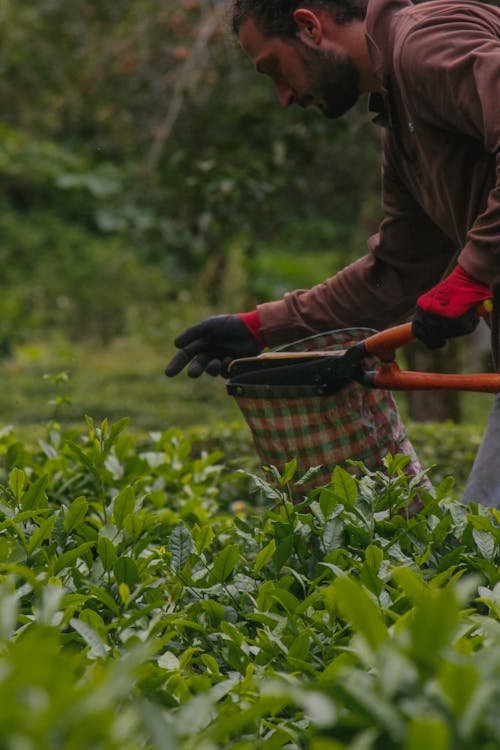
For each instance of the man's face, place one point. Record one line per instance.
(333, 81)
(302, 74)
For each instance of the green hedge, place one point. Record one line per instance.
(151, 597)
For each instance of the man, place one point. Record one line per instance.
(432, 72)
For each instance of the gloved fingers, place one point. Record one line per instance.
(183, 357)
(198, 331)
(199, 364)
(468, 322)
(434, 330)
(211, 344)
(431, 339)
(214, 367)
(177, 363)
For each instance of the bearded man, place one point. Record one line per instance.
(432, 74)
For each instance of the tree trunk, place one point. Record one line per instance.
(434, 406)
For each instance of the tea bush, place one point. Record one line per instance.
(447, 447)
(152, 597)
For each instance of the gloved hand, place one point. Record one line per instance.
(449, 309)
(211, 344)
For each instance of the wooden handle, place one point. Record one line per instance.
(385, 343)
(390, 376)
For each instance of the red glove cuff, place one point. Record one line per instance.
(455, 295)
(252, 322)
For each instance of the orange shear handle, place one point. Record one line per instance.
(391, 377)
(385, 343)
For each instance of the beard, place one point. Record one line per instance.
(334, 81)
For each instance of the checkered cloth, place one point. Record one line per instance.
(356, 422)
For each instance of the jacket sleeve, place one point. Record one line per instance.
(452, 69)
(406, 257)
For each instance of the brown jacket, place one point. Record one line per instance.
(440, 112)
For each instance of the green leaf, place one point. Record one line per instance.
(434, 623)
(379, 710)
(214, 610)
(17, 481)
(459, 683)
(225, 562)
(187, 656)
(202, 536)
(119, 426)
(105, 597)
(35, 496)
(374, 556)
(284, 550)
(396, 464)
(9, 605)
(359, 609)
(210, 663)
(329, 503)
(123, 506)
(411, 583)
(288, 472)
(429, 732)
(134, 525)
(287, 600)
(41, 534)
(126, 571)
(68, 558)
(93, 619)
(264, 556)
(97, 646)
(344, 486)
(435, 617)
(369, 571)
(300, 646)
(234, 634)
(84, 459)
(124, 592)
(168, 661)
(76, 514)
(180, 545)
(107, 552)
(485, 543)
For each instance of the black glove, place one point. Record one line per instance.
(434, 330)
(211, 344)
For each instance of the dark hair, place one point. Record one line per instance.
(275, 17)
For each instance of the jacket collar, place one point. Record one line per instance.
(379, 106)
(380, 25)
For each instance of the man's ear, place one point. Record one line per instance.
(308, 25)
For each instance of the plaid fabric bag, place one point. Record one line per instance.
(355, 422)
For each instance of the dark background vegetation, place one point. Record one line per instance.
(142, 161)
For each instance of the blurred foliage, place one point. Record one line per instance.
(449, 449)
(142, 144)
